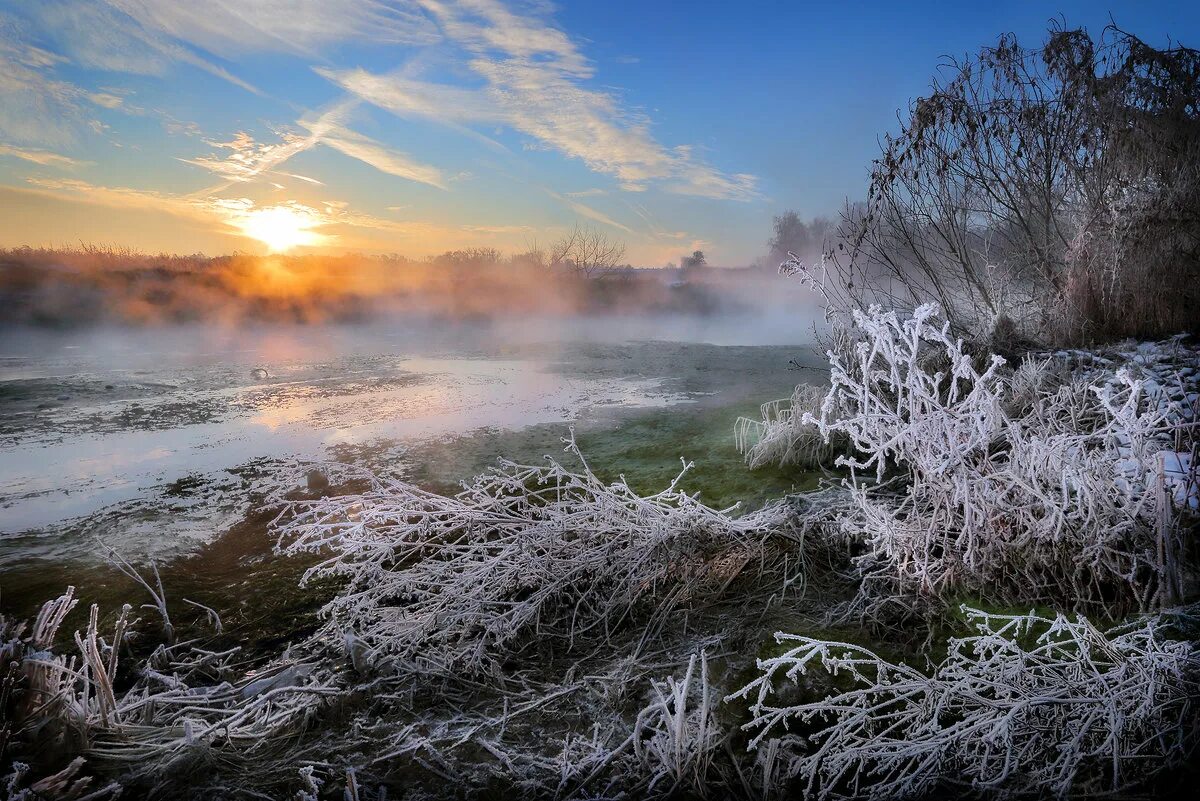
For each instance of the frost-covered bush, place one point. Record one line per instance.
(1069, 478)
(524, 556)
(1028, 705)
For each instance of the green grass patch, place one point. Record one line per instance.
(645, 448)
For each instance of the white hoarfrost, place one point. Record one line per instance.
(181, 704)
(677, 735)
(1062, 479)
(1028, 705)
(782, 437)
(523, 556)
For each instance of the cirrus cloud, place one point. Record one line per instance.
(42, 157)
(248, 159)
(533, 82)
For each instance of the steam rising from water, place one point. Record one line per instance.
(101, 428)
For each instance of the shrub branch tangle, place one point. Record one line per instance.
(523, 556)
(1073, 484)
(1026, 706)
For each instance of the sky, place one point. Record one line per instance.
(419, 126)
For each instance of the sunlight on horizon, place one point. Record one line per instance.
(281, 228)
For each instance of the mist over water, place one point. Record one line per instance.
(155, 439)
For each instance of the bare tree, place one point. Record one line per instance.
(534, 257)
(1054, 191)
(587, 252)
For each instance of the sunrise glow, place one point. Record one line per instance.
(281, 228)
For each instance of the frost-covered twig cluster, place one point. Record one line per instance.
(1035, 482)
(1026, 705)
(782, 437)
(676, 735)
(525, 556)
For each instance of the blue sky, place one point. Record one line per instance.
(416, 127)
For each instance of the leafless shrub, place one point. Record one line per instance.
(1080, 497)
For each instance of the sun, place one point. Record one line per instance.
(282, 228)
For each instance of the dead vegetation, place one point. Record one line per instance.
(1069, 482)
(1025, 706)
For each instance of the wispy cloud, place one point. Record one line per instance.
(584, 210)
(534, 83)
(382, 158)
(36, 106)
(232, 27)
(106, 99)
(653, 228)
(248, 159)
(304, 178)
(43, 157)
(119, 197)
(488, 26)
(123, 36)
(452, 106)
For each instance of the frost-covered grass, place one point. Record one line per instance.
(782, 437)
